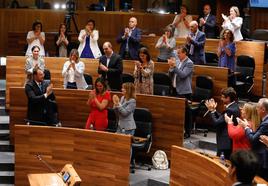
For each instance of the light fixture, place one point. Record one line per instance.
(63, 6)
(56, 6)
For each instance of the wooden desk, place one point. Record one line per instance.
(51, 179)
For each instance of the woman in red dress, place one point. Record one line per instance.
(98, 101)
(237, 133)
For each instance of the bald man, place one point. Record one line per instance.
(111, 67)
(195, 43)
(129, 39)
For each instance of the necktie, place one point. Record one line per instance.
(40, 86)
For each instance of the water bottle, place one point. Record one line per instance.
(123, 131)
(91, 126)
(222, 158)
(163, 92)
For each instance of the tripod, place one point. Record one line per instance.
(68, 18)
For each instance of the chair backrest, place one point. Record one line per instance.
(246, 66)
(112, 120)
(211, 59)
(88, 79)
(260, 34)
(162, 84)
(127, 78)
(143, 120)
(203, 88)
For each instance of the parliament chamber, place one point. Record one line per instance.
(103, 157)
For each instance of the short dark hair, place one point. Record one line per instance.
(246, 164)
(91, 21)
(35, 70)
(183, 49)
(35, 46)
(229, 92)
(145, 51)
(37, 22)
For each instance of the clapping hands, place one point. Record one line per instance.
(228, 119)
(172, 62)
(115, 100)
(211, 105)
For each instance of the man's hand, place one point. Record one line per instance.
(242, 123)
(264, 139)
(172, 62)
(103, 67)
(211, 105)
(49, 89)
(228, 119)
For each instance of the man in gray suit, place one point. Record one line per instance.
(181, 75)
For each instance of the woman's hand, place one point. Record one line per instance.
(115, 100)
(228, 120)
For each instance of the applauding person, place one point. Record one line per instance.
(181, 23)
(62, 41)
(233, 22)
(73, 72)
(98, 101)
(36, 37)
(143, 73)
(166, 45)
(125, 108)
(88, 39)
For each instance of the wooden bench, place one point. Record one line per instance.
(100, 158)
(15, 74)
(192, 168)
(251, 48)
(167, 114)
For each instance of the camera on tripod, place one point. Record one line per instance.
(69, 16)
(70, 7)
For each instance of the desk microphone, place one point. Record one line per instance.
(50, 168)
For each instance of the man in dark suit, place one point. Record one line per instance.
(111, 67)
(42, 108)
(195, 44)
(244, 167)
(254, 137)
(130, 40)
(228, 97)
(207, 22)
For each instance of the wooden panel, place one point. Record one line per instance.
(109, 24)
(167, 114)
(191, 168)
(99, 158)
(15, 65)
(251, 48)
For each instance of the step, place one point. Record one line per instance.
(7, 179)
(2, 101)
(4, 119)
(4, 126)
(6, 148)
(7, 157)
(2, 92)
(7, 167)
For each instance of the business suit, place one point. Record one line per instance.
(209, 27)
(133, 43)
(125, 112)
(114, 73)
(196, 48)
(183, 76)
(259, 148)
(224, 143)
(41, 110)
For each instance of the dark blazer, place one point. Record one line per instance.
(40, 109)
(198, 56)
(259, 148)
(133, 43)
(209, 27)
(223, 140)
(115, 69)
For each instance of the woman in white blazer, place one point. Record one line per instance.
(233, 22)
(73, 72)
(88, 39)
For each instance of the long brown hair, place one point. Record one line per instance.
(130, 90)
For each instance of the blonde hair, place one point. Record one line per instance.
(236, 10)
(130, 90)
(252, 115)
